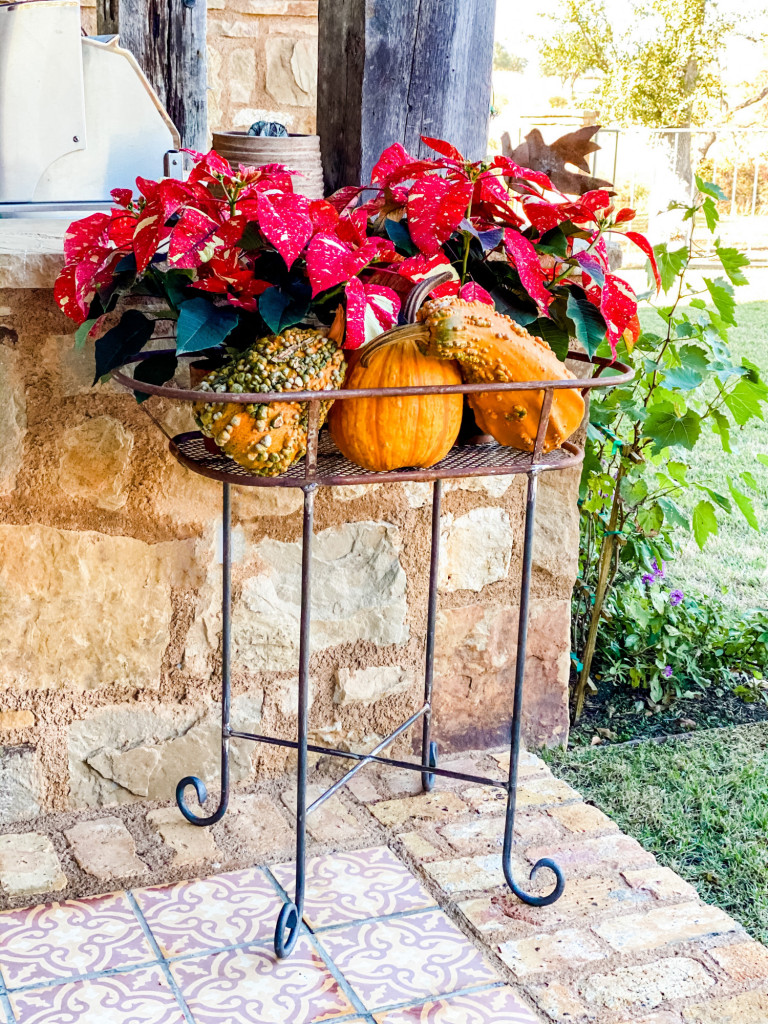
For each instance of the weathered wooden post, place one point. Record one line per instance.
(167, 37)
(392, 70)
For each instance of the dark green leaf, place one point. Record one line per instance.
(155, 369)
(398, 234)
(280, 310)
(667, 428)
(202, 325)
(704, 522)
(732, 261)
(251, 238)
(557, 339)
(588, 323)
(176, 284)
(122, 341)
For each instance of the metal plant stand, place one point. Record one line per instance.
(325, 466)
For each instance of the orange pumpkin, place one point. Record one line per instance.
(394, 433)
(491, 347)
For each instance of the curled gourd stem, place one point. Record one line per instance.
(397, 334)
(419, 293)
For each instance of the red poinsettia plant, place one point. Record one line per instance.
(233, 255)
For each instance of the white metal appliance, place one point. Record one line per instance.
(77, 115)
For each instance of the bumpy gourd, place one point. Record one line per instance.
(393, 433)
(491, 347)
(267, 438)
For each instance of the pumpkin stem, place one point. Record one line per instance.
(419, 293)
(397, 334)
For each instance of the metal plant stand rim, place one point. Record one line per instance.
(324, 466)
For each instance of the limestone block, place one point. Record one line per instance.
(241, 73)
(10, 720)
(125, 753)
(359, 592)
(29, 865)
(284, 695)
(275, 8)
(476, 549)
(352, 491)
(251, 503)
(20, 784)
(105, 848)
(85, 610)
(556, 537)
(74, 368)
(13, 420)
(255, 823)
(493, 486)
(370, 684)
(475, 665)
(291, 70)
(331, 822)
(95, 462)
(190, 843)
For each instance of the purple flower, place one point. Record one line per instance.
(667, 671)
(647, 579)
(658, 572)
(676, 597)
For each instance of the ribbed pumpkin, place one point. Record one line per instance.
(267, 438)
(395, 433)
(491, 347)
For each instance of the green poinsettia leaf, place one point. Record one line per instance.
(202, 325)
(122, 341)
(589, 325)
(155, 369)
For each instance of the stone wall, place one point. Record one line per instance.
(262, 62)
(110, 589)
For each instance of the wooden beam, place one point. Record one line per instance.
(168, 39)
(393, 70)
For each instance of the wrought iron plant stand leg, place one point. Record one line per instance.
(325, 466)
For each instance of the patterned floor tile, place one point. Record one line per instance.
(494, 1006)
(136, 997)
(62, 940)
(193, 917)
(396, 961)
(347, 887)
(253, 987)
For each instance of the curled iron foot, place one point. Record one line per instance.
(526, 897)
(428, 778)
(202, 796)
(287, 930)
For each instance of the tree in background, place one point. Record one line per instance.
(503, 60)
(663, 71)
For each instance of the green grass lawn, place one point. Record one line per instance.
(699, 803)
(737, 559)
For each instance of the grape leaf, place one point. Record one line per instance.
(667, 428)
(704, 522)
